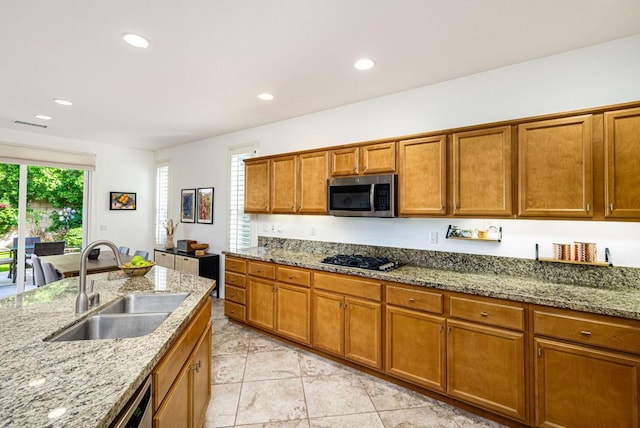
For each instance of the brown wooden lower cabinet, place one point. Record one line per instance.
(348, 327)
(181, 400)
(486, 366)
(415, 347)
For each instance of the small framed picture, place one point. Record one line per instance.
(188, 206)
(205, 205)
(122, 201)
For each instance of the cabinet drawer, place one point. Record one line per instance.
(235, 265)
(234, 294)
(263, 270)
(232, 278)
(167, 370)
(415, 299)
(496, 314)
(235, 311)
(586, 329)
(352, 286)
(294, 276)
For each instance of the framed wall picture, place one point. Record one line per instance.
(188, 206)
(122, 201)
(205, 205)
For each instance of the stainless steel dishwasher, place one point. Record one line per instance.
(137, 413)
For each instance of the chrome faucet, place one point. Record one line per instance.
(83, 301)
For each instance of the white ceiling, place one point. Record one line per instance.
(209, 59)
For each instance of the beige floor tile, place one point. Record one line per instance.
(387, 396)
(271, 401)
(261, 343)
(279, 364)
(336, 395)
(230, 343)
(223, 405)
(302, 423)
(228, 368)
(315, 365)
(361, 420)
(420, 417)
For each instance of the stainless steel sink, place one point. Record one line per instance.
(141, 303)
(112, 326)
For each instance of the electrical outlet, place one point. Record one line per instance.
(313, 231)
(433, 237)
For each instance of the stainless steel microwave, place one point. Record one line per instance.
(362, 196)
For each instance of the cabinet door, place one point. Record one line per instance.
(256, 182)
(378, 158)
(261, 303)
(422, 176)
(415, 347)
(283, 184)
(581, 387)
(555, 168)
(175, 411)
(313, 172)
(344, 162)
(201, 378)
(363, 332)
(486, 367)
(622, 157)
(482, 172)
(164, 259)
(328, 322)
(293, 306)
(187, 265)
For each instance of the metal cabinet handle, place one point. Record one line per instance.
(611, 207)
(484, 314)
(411, 299)
(588, 206)
(233, 294)
(585, 333)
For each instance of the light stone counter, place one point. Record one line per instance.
(621, 302)
(94, 379)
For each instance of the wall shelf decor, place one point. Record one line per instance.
(606, 263)
(492, 234)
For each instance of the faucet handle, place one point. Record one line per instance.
(91, 288)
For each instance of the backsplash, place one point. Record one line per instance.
(591, 276)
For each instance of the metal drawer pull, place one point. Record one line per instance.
(411, 299)
(585, 333)
(484, 314)
(233, 294)
(290, 277)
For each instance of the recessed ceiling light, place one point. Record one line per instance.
(364, 64)
(43, 117)
(265, 97)
(62, 102)
(136, 40)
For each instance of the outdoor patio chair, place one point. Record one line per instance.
(143, 254)
(48, 248)
(38, 273)
(29, 242)
(50, 273)
(124, 250)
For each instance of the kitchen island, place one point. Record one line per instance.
(83, 383)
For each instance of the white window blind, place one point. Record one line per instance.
(162, 202)
(239, 222)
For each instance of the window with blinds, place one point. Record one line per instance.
(162, 202)
(239, 222)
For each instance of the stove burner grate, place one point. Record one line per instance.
(362, 262)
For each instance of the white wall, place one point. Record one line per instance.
(595, 76)
(118, 169)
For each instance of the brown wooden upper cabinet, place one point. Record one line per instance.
(312, 182)
(377, 158)
(482, 172)
(283, 184)
(256, 196)
(555, 168)
(622, 157)
(422, 176)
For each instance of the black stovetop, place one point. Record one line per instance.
(363, 262)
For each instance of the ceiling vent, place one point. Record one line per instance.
(37, 125)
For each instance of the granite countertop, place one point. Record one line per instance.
(619, 302)
(93, 379)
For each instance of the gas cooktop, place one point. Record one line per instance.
(363, 262)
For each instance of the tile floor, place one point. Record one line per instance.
(261, 382)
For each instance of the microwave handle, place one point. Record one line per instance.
(371, 197)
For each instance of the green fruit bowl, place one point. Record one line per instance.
(136, 270)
